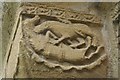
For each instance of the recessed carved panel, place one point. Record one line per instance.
(62, 38)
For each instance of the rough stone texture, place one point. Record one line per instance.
(1, 7)
(8, 21)
(9, 12)
(116, 22)
(25, 65)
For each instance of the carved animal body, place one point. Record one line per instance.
(64, 54)
(61, 52)
(68, 54)
(65, 31)
(57, 51)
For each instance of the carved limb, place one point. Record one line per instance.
(95, 41)
(81, 42)
(97, 51)
(55, 42)
(76, 45)
(69, 41)
(59, 40)
(55, 37)
(89, 41)
(81, 33)
(48, 34)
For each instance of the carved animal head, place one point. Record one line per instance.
(36, 19)
(40, 28)
(32, 21)
(37, 29)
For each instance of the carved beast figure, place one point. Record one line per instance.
(65, 31)
(59, 31)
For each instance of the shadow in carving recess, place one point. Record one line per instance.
(90, 50)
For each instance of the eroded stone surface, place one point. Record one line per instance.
(59, 42)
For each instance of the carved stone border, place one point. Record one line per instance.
(51, 10)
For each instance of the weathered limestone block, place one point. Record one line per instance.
(51, 41)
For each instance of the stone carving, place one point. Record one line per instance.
(59, 42)
(41, 9)
(116, 14)
(64, 31)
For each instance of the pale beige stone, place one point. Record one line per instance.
(52, 41)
